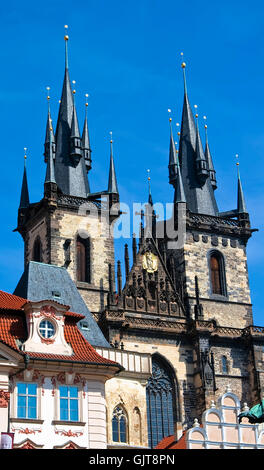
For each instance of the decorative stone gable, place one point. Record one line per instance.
(45, 325)
(149, 287)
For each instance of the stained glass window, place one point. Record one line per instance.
(119, 425)
(161, 398)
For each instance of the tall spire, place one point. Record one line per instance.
(86, 140)
(209, 159)
(241, 205)
(150, 200)
(24, 197)
(112, 181)
(172, 158)
(70, 172)
(199, 197)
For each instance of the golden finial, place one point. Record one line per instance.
(66, 37)
(73, 91)
(111, 139)
(169, 111)
(48, 89)
(148, 171)
(237, 163)
(86, 101)
(25, 155)
(196, 115)
(183, 63)
(178, 125)
(205, 126)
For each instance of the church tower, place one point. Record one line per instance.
(69, 227)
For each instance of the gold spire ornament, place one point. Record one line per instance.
(169, 111)
(66, 37)
(183, 64)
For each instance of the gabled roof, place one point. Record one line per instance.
(169, 442)
(13, 332)
(46, 281)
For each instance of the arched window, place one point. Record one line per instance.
(83, 259)
(119, 425)
(224, 365)
(161, 402)
(37, 250)
(217, 273)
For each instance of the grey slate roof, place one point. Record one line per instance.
(48, 282)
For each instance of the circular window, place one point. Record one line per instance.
(46, 329)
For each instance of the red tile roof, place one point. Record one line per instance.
(170, 443)
(13, 331)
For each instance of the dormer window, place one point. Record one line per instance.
(46, 329)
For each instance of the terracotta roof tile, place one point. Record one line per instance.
(13, 331)
(170, 443)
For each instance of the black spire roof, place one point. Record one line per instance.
(112, 181)
(199, 195)
(70, 173)
(24, 197)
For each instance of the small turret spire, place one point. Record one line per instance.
(173, 157)
(24, 197)
(75, 138)
(49, 133)
(209, 159)
(241, 205)
(50, 172)
(179, 195)
(150, 201)
(86, 139)
(201, 163)
(112, 181)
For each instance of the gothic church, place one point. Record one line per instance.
(180, 323)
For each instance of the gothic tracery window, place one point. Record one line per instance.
(119, 425)
(161, 400)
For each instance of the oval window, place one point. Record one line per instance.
(46, 329)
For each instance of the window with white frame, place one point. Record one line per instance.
(27, 400)
(69, 403)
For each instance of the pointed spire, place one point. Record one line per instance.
(49, 139)
(209, 159)
(75, 138)
(70, 171)
(150, 200)
(199, 195)
(50, 171)
(201, 163)
(66, 39)
(179, 195)
(241, 205)
(112, 181)
(24, 197)
(173, 157)
(86, 140)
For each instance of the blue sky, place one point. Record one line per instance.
(126, 55)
